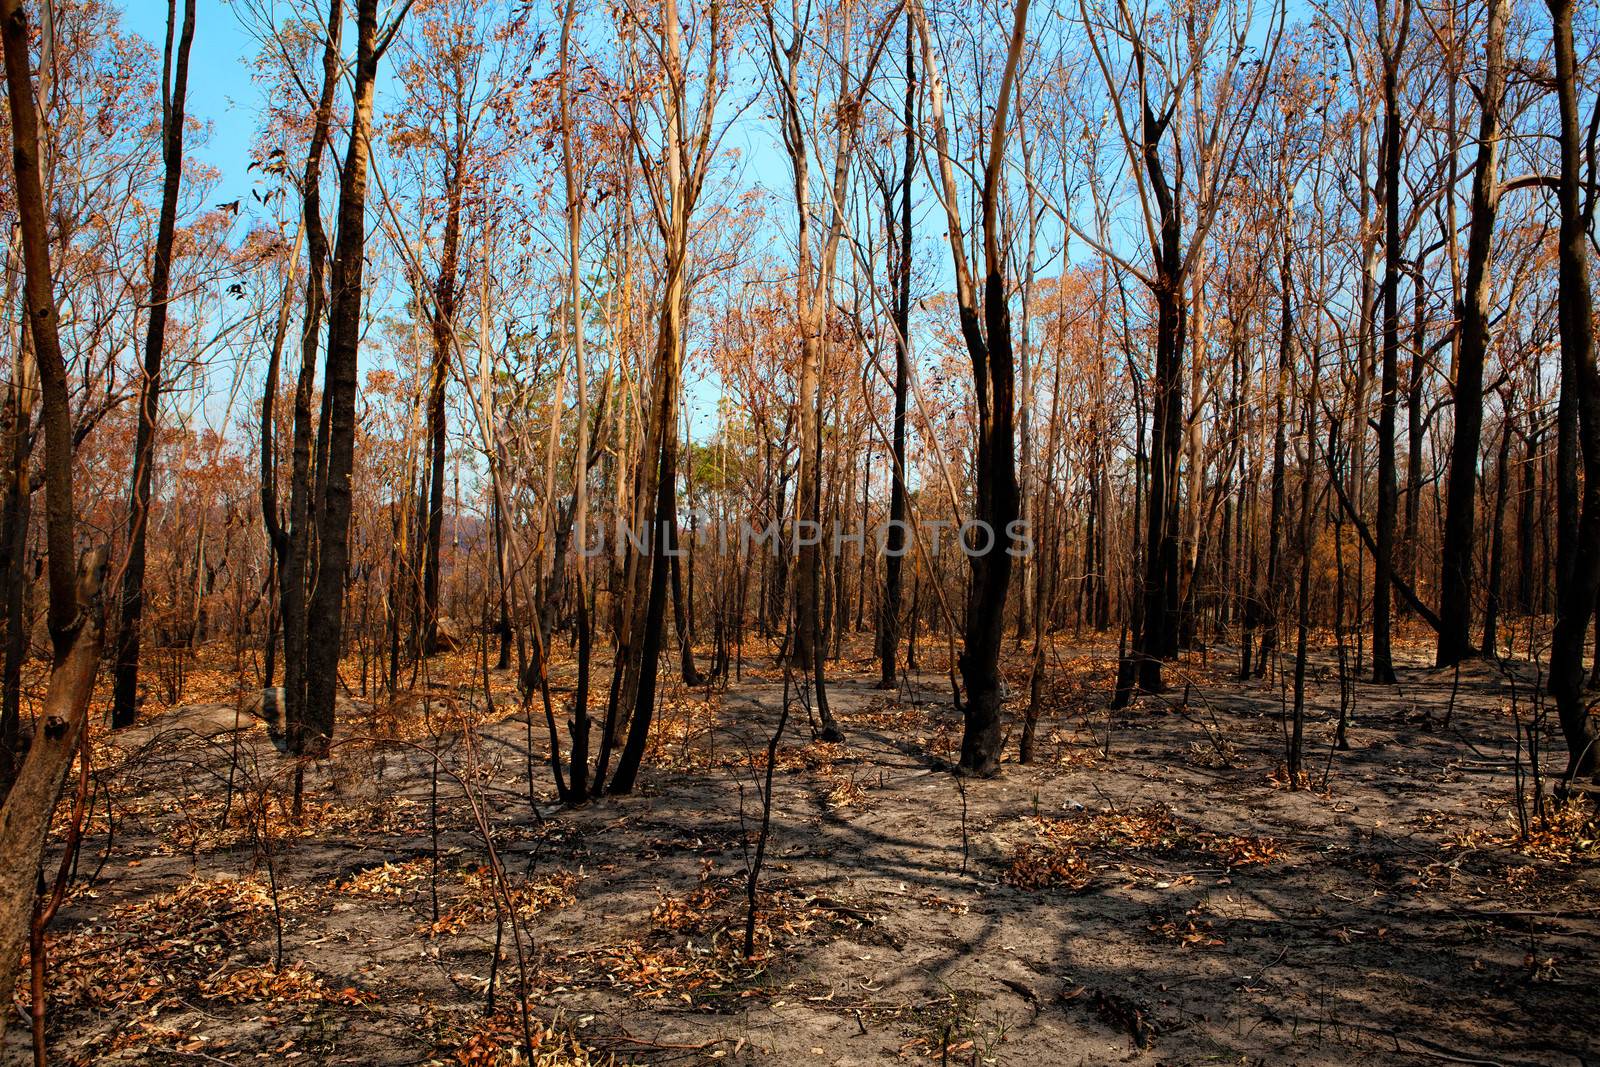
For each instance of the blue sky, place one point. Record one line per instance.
(223, 95)
(221, 91)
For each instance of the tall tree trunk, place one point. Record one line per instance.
(1388, 492)
(987, 333)
(1408, 549)
(675, 192)
(77, 612)
(899, 238)
(445, 298)
(125, 686)
(1042, 576)
(336, 445)
(658, 485)
(1578, 567)
(268, 487)
(814, 297)
(1026, 476)
(997, 506)
(1158, 630)
(1272, 595)
(579, 727)
(1303, 610)
(294, 543)
(1455, 591)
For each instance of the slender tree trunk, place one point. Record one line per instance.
(895, 542)
(863, 526)
(444, 325)
(676, 192)
(1272, 595)
(682, 622)
(1156, 636)
(1492, 581)
(294, 544)
(1042, 577)
(1408, 548)
(1527, 535)
(20, 398)
(1578, 569)
(1297, 725)
(1455, 592)
(336, 447)
(1388, 492)
(125, 687)
(645, 629)
(814, 284)
(579, 726)
(987, 333)
(1025, 591)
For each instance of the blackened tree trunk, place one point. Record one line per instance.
(682, 619)
(987, 333)
(125, 686)
(1497, 539)
(1527, 536)
(1408, 548)
(645, 630)
(997, 506)
(1578, 547)
(900, 239)
(18, 443)
(1455, 591)
(579, 725)
(1272, 595)
(807, 502)
(502, 588)
(1388, 490)
(1157, 638)
(336, 440)
(445, 298)
(293, 543)
(1297, 726)
(814, 296)
(675, 186)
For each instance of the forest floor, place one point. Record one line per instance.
(1148, 890)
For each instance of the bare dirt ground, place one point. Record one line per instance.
(1149, 890)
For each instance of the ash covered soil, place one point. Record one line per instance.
(1147, 890)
